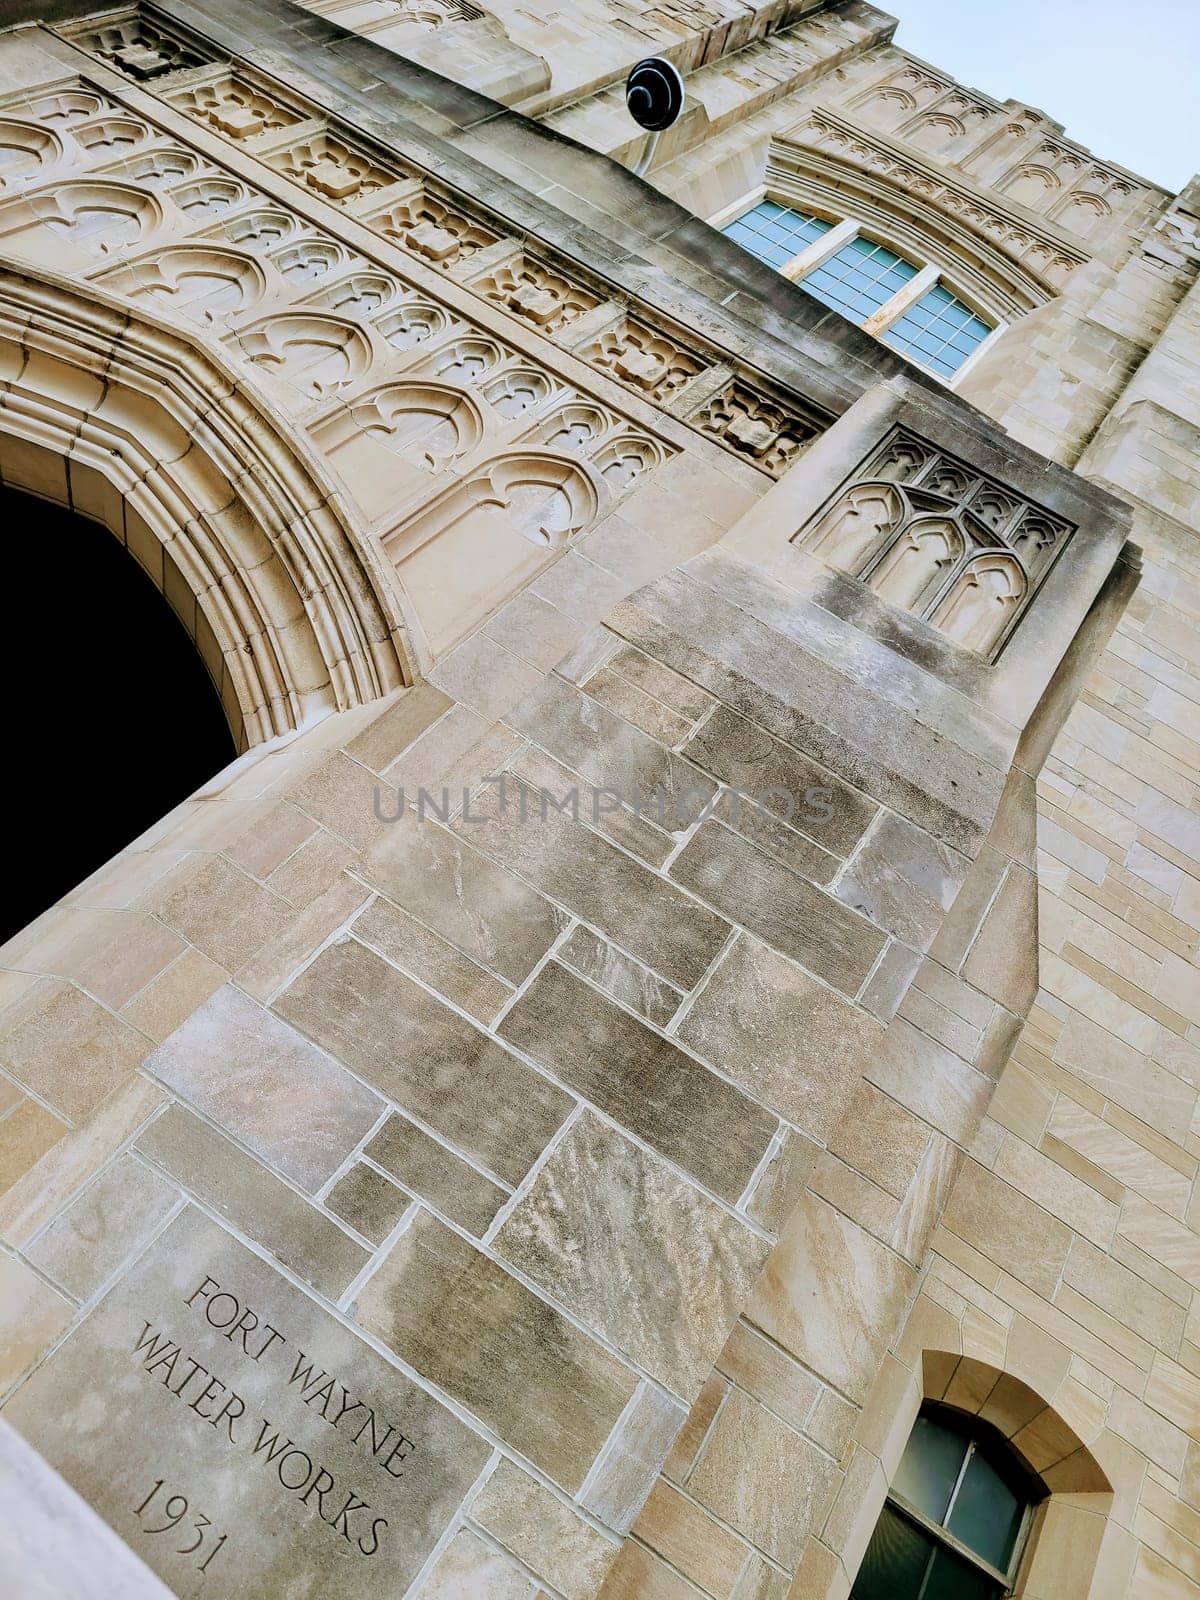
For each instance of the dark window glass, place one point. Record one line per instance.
(986, 1514)
(930, 1467)
(896, 1561)
(952, 1578)
(957, 1495)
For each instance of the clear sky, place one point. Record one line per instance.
(1122, 75)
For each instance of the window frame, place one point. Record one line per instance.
(842, 231)
(998, 1452)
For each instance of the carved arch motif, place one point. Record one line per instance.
(517, 390)
(917, 563)
(205, 282)
(160, 167)
(480, 540)
(466, 360)
(314, 352)
(388, 442)
(1042, 1437)
(934, 536)
(26, 150)
(294, 610)
(74, 223)
(856, 527)
(976, 611)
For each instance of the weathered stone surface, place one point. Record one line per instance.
(368, 1201)
(903, 879)
(640, 1079)
(633, 1457)
(427, 1058)
(1125, 1076)
(770, 1375)
(795, 1043)
(469, 1566)
(831, 1295)
(881, 1139)
(1011, 1230)
(930, 1080)
(619, 975)
(782, 780)
(762, 1478)
(1003, 960)
(633, 1250)
(295, 1106)
(43, 1513)
(428, 1169)
(262, 1206)
(218, 1378)
(548, 1537)
(68, 1165)
(32, 1315)
(611, 753)
(516, 1362)
(69, 1050)
(88, 1241)
(30, 1132)
(487, 913)
(783, 1180)
(220, 909)
(782, 909)
(601, 884)
(694, 1544)
(407, 943)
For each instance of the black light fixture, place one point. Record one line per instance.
(654, 94)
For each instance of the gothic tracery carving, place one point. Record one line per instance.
(204, 282)
(647, 361)
(235, 108)
(537, 293)
(139, 48)
(314, 353)
(333, 168)
(493, 531)
(754, 427)
(931, 534)
(432, 229)
(25, 150)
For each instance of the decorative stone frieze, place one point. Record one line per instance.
(1047, 259)
(235, 108)
(139, 47)
(432, 229)
(26, 151)
(645, 360)
(933, 535)
(536, 292)
(335, 169)
(749, 424)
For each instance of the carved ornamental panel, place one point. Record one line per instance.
(936, 537)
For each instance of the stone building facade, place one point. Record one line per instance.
(695, 966)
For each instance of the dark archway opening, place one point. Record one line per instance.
(109, 717)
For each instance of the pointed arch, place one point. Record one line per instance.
(148, 429)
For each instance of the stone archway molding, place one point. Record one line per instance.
(147, 428)
(1038, 1432)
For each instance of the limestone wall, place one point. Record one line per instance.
(488, 1191)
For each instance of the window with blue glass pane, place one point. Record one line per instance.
(860, 278)
(940, 332)
(775, 233)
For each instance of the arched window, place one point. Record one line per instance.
(904, 304)
(956, 1518)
